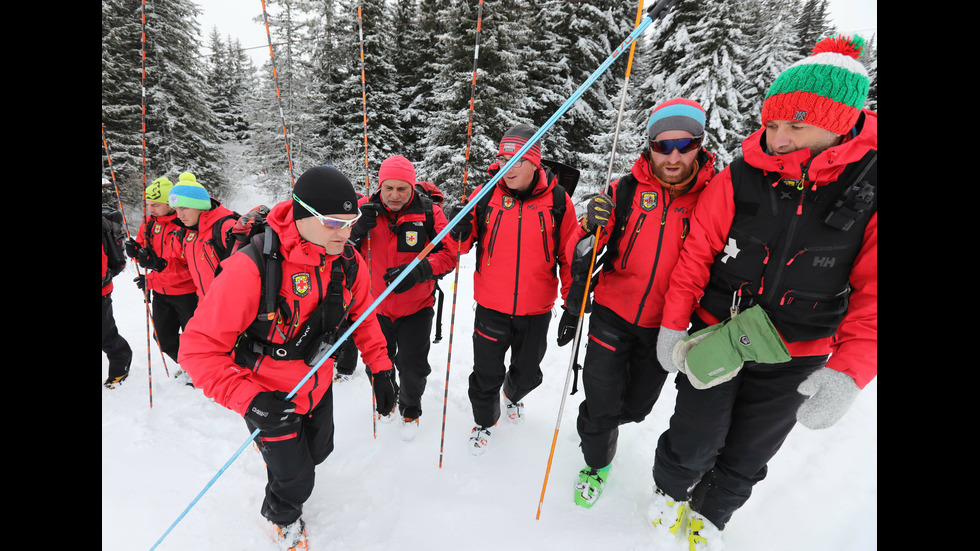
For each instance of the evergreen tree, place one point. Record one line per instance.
(181, 133)
(812, 25)
(771, 47)
(121, 98)
(869, 57)
(699, 56)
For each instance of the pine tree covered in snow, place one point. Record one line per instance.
(230, 78)
(121, 96)
(771, 47)
(812, 24)
(181, 127)
(869, 57)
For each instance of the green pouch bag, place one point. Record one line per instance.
(722, 349)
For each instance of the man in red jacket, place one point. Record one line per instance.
(522, 230)
(174, 298)
(249, 363)
(204, 226)
(790, 228)
(645, 217)
(398, 222)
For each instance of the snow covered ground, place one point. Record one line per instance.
(382, 493)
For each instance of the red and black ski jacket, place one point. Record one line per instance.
(231, 307)
(521, 248)
(818, 285)
(397, 239)
(648, 241)
(157, 233)
(196, 247)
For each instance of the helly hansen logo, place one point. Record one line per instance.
(824, 262)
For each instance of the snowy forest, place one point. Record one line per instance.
(211, 111)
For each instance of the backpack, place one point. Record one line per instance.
(324, 325)
(113, 235)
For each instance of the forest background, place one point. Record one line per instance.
(211, 110)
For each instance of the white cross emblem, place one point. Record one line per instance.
(731, 250)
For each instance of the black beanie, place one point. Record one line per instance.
(326, 190)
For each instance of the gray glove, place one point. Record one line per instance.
(831, 394)
(666, 342)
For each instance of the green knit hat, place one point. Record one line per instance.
(159, 190)
(190, 194)
(827, 89)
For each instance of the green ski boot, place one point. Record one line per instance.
(589, 485)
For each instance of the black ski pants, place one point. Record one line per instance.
(114, 346)
(622, 380)
(170, 316)
(291, 453)
(494, 333)
(408, 348)
(721, 438)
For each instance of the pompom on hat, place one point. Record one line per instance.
(188, 193)
(827, 89)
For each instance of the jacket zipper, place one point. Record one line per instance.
(656, 258)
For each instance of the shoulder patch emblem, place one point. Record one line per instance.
(411, 237)
(648, 200)
(508, 202)
(301, 284)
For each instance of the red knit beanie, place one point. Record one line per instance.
(397, 167)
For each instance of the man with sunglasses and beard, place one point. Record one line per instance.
(644, 218)
(250, 363)
(784, 239)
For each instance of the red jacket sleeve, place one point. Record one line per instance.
(223, 314)
(709, 232)
(368, 338)
(568, 237)
(855, 346)
(443, 260)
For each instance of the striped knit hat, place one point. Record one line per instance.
(516, 138)
(676, 114)
(827, 89)
(189, 194)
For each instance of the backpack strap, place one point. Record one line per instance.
(625, 190)
(223, 241)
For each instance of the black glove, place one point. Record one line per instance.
(146, 258)
(566, 327)
(140, 282)
(600, 208)
(367, 221)
(132, 248)
(462, 230)
(421, 272)
(385, 391)
(269, 410)
(573, 302)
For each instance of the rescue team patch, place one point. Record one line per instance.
(508, 202)
(301, 284)
(157, 228)
(411, 237)
(191, 235)
(648, 200)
